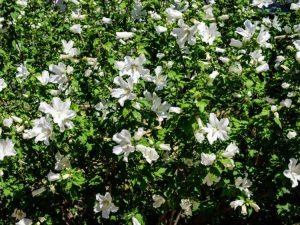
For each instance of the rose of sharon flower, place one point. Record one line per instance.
(242, 203)
(60, 111)
(262, 3)
(186, 205)
(291, 134)
(23, 72)
(76, 29)
(208, 34)
(210, 179)
(185, 33)
(125, 90)
(216, 129)
(124, 140)
(105, 205)
(162, 109)
(230, 151)
(158, 201)
(62, 162)
(68, 48)
(244, 184)
(2, 84)
(148, 153)
(24, 221)
(42, 131)
(6, 148)
(135, 221)
(208, 159)
(293, 172)
(132, 67)
(249, 30)
(124, 35)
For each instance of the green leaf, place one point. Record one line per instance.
(277, 121)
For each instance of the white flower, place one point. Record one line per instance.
(24, 221)
(42, 131)
(124, 35)
(148, 153)
(208, 10)
(276, 23)
(68, 48)
(6, 148)
(159, 80)
(125, 91)
(76, 15)
(132, 67)
(249, 30)
(158, 201)
(23, 72)
(162, 110)
(60, 111)
(1, 20)
(165, 147)
(242, 203)
(62, 162)
(199, 135)
(38, 191)
(22, 2)
(286, 103)
(173, 14)
(7, 122)
(297, 45)
(154, 15)
(137, 13)
(285, 85)
(210, 179)
(236, 67)
(235, 43)
(135, 221)
(244, 184)
(106, 20)
(262, 3)
(254, 206)
(262, 39)
(291, 134)
(160, 29)
(44, 79)
(298, 57)
(186, 205)
(214, 74)
(230, 151)
(2, 84)
(124, 140)
(207, 159)
(262, 68)
(293, 172)
(208, 34)
(237, 203)
(216, 129)
(76, 29)
(256, 57)
(18, 214)
(53, 176)
(185, 33)
(105, 205)
(295, 6)
(139, 133)
(59, 75)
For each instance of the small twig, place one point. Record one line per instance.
(177, 218)
(172, 215)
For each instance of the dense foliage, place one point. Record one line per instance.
(149, 112)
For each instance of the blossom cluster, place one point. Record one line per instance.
(148, 112)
